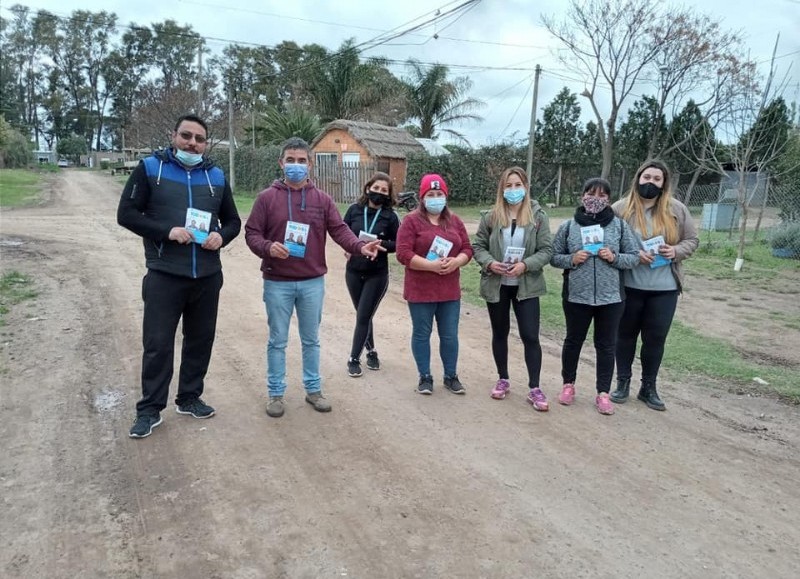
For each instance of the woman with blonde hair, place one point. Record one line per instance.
(667, 234)
(512, 246)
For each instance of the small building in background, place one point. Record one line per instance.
(347, 153)
(44, 157)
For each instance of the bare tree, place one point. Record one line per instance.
(756, 134)
(612, 42)
(696, 57)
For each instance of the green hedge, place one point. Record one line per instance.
(472, 174)
(255, 168)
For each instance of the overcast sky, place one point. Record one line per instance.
(505, 34)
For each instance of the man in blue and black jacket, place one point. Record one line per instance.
(167, 191)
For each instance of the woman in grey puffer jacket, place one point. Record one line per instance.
(592, 248)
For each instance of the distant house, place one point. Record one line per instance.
(43, 157)
(346, 153)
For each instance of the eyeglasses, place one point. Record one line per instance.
(187, 136)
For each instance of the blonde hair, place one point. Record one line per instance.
(499, 216)
(663, 221)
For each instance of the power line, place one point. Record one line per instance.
(511, 120)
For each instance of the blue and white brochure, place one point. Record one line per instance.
(439, 248)
(512, 256)
(592, 238)
(651, 246)
(296, 238)
(198, 224)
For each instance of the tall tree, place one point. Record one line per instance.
(124, 70)
(612, 42)
(435, 101)
(643, 125)
(343, 87)
(696, 56)
(559, 138)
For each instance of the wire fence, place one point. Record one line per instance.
(770, 216)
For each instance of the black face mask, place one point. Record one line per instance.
(648, 191)
(378, 198)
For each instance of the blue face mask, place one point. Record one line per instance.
(514, 196)
(435, 205)
(188, 159)
(295, 172)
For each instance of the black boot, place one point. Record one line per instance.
(649, 396)
(620, 395)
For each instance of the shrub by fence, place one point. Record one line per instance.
(255, 169)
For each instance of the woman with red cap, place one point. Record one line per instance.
(432, 285)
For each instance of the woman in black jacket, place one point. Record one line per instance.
(371, 217)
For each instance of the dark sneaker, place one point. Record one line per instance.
(425, 385)
(354, 368)
(144, 424)
(454, 385)
(196, 408)
(275, 406)
(319, 402)
(372, 361)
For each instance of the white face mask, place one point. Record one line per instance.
(188, 159)
(435, 205)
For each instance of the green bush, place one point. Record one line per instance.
(256, 169)
(787, 238)
(472, 174)
(104, 165)
(16, 151)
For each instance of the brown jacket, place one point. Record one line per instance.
(687, 235)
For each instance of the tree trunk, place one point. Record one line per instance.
(761, 210)
(743, 203)
(695, 177)
(558, 187)
(608, 154)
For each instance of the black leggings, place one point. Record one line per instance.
(649, 313)
(527, 314)
(366, 291)
(606, 322)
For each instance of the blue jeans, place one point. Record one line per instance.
(446, 315)
(281, 298)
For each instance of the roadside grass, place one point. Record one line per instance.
(15, 287)
(19, 187)
(715, 258)
(689, 353)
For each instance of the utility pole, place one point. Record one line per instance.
(533, 120)
(231, 153)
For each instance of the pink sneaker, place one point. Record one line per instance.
(538, 400)
(500, 389)
(567, 395)
(603, 404)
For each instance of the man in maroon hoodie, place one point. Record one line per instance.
(294, 275)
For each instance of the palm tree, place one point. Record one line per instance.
(343, 87)
(275, 126)
(436, 101)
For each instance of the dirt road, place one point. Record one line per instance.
(390, 484)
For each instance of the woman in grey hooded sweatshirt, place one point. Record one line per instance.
(593, 289)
